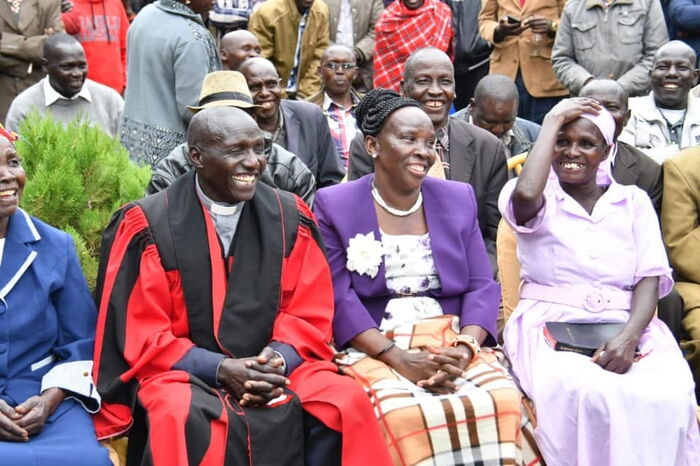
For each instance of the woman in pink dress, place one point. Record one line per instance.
(591, 251)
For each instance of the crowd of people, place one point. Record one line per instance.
(317, 272)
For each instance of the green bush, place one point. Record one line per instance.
(77, 176)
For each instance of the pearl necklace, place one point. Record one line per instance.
(396, 212)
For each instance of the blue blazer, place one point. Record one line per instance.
(47, 315)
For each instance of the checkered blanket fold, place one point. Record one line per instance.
(483, 422)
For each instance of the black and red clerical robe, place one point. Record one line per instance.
(171, 306)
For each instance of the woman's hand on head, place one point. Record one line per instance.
(568, 110)
(9, 430)
(618, 353)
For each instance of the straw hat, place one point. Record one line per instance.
(224, 88)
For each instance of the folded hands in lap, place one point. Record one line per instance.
(435, 368)
(254, 381)
(26, 419)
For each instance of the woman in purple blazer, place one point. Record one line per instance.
(415, 299)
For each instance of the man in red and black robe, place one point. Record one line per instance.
(215, 308)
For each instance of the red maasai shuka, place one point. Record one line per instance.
(401, 31)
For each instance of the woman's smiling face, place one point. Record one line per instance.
(12, 179)
(579, 150)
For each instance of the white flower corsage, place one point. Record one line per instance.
(364, 254)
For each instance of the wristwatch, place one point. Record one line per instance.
(471, 342)
(553, 27)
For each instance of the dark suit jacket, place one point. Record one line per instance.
(477, 157)
(309, 138)
(634, 167)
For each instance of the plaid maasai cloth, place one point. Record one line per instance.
(401, 31)
(484, 422)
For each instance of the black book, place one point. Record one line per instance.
(582, 338)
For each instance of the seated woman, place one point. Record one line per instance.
(415, 299)
(591, 251)
(47, 322)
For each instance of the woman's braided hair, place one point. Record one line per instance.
(375, 108)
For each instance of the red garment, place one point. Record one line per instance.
(152, 312)
(101, 25)
(401, 31)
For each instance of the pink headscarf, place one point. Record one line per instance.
(606, 124)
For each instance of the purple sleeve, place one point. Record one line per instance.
(351, 316)
(480, 302)
(201, 363)
(292, 360)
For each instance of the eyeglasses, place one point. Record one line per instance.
(331, 65)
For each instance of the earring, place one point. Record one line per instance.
(373, 155)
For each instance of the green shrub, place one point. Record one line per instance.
(77, 176)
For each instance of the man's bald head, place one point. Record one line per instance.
(227, 149)
(56, 43)
(676, 48)
(211, 124)
(65, 63)
(497, 87)
(257, 65)
(236, 47)
(495, 104)
(337, 49)
(428, 56)
(612, 96)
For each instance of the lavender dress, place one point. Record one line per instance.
(585, 414)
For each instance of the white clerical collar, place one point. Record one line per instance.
(51, 95)
(217, 208)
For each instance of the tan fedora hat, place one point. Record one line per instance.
(224, 88)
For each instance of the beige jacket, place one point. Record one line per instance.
(22, 44)
(513, 52)
(275, 23)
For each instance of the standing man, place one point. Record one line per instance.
(24, 25)
(293, 34)
(404, 27)
(667, 120)
(352, 24)
(215, 313)
(236, 47)
(299, 127)
(467, 153)
(608, 40)
(338, 99)
(471, 50)
(100, 26)
(523, 32)
(65, 93)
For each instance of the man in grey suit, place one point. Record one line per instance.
(299, 127)
(351, 23)
(469, 154)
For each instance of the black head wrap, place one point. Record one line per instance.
(375, 108)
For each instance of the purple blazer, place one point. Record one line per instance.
(468, 289)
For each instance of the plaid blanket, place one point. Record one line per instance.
(484, 422)
(401, 31)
